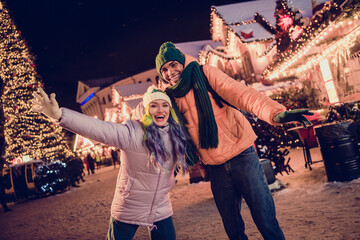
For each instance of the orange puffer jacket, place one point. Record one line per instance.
(235, 131)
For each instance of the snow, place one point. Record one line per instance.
(259, 32)
(277, 85)
(133, 89)
(245, 11)
(304, 6)
(193, 48)
(308, 208)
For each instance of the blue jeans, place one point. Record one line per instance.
(163, 230)
(242, 176)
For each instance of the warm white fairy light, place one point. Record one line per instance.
(113, 117)
(216, 25)
(107, 116)
(26, 133)
(344, 42)
(231, 42)
(341, 45)
(328, 80)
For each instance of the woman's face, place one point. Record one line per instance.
(159, 110)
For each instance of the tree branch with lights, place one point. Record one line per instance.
(25, 133)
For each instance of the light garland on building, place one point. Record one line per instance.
(343, 45)
(267, 51)
(217, 21)
(237, 24)
(316, 39)
(214, 55)
(265, 23)
(312, 35)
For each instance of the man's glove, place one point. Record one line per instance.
(294, 115)
(48, 106)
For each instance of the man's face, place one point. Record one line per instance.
(171, 72)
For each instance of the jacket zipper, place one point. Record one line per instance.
(156, 190)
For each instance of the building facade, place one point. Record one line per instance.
(95, 96)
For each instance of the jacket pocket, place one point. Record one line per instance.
(125, 186)
(226, 130)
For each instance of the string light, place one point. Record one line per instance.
(25, 133)
(312, 37)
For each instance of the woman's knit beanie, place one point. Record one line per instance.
(153, 94)
(168, 52)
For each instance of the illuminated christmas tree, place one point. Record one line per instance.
(25, 133)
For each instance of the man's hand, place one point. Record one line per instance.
(48, 106)
(294, 115)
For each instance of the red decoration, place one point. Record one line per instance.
(310, 76)
(247, 34)
(266, 82)
(285, 22)
(296, 32)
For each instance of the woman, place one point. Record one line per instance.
(151, 149)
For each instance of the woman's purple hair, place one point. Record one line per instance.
(154, 143)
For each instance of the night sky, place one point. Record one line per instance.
(76, 40)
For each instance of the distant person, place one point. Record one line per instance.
(151, 149)
(80, 167)
(3, 184)
(20, 186)
(114, 157)
(207, 102)
(74, 170)
(119, 155)
(71, 173)
(87, 164)
(91, 162)
(97, 161)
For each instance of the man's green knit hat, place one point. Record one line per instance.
(168, 52)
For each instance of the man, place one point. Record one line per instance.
(2, 192)
(206, 99)
(114, 156)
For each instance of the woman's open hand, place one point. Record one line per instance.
(43, 104)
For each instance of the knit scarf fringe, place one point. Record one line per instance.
(193, 78)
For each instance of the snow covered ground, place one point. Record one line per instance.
(308, 208)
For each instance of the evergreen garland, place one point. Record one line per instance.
(297, 98)
(343, 112)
